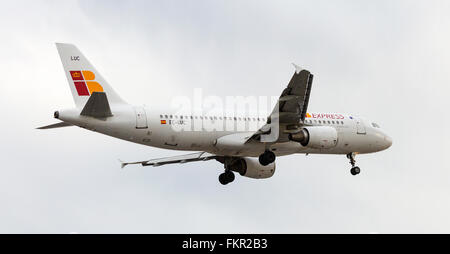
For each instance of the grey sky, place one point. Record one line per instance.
(385, 60)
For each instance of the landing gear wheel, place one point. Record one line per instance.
(355, 171)
(226, 177)
(266, 158)
(222, 179)
(229, 176)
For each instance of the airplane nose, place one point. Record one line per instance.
(387, 141)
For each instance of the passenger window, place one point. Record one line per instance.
(332, 122)
(171, 116)
(160, 116)
(320, 122)
(329, 122)
(166, 116)
(342, 122)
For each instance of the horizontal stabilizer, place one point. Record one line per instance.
(56, 125)
(97, 106)
(200, 156)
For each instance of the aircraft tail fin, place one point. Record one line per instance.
(84, 80)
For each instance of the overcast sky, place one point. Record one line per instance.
(386, 60)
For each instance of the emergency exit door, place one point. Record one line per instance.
(141, 118)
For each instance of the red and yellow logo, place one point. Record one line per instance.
(84, 82)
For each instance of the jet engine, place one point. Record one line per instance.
(319, 137)
(250, 167)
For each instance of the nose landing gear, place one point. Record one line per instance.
(355, 170)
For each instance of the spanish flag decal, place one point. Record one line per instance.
(163, 121)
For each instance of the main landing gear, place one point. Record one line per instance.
(355, 170)
(266, 158)
(226, 177)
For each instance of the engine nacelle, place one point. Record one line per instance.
(250, 167)
(319, 137)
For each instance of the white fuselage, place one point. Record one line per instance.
(159, 128)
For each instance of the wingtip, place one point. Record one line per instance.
(298, 69)
(122, 164)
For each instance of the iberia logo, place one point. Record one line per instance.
(84, 82)
(308, 115)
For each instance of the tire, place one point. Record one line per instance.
(262, 160)
(266, 158)
(355, 171)
(223, 179)
(270, 157)
(229, 176)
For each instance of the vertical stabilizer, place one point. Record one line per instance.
(83, 78)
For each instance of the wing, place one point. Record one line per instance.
(290, 110)
(201, 156)
(293, 102)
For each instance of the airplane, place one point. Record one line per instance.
(289, 129)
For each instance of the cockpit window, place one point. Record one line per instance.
(375, 125)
